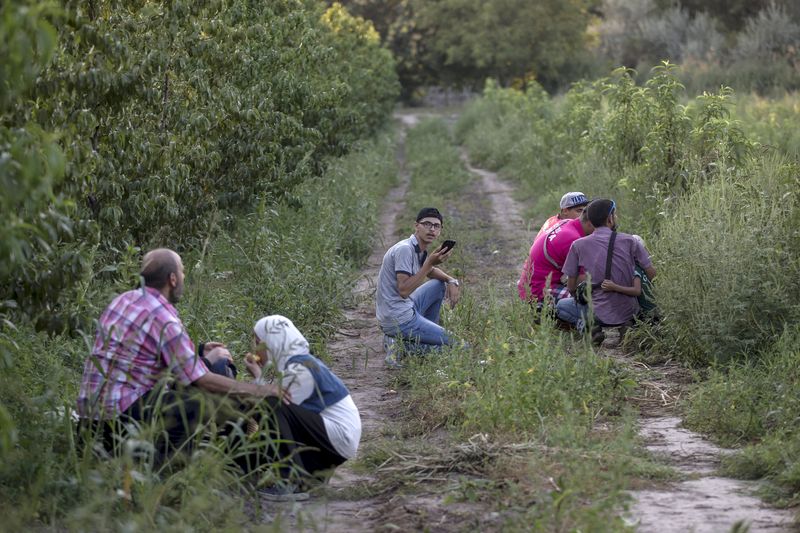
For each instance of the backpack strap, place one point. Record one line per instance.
(610, 253)
(596, 286)
(544, 244)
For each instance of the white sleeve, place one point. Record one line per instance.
(300, 382)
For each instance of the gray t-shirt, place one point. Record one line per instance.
(406, 257)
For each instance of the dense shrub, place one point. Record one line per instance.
(731, 255)
(165, 115)
(761, 56)
(770, 35)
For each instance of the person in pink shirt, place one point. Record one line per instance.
(572, 205)
(542, 272)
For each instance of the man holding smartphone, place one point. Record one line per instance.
(411, 289)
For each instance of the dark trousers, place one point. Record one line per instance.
(295, 439)
(290, 437)
(176, 416)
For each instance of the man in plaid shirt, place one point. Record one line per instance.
(140, 342)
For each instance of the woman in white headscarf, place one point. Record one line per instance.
(321, 416)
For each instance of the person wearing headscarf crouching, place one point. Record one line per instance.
(321, 427)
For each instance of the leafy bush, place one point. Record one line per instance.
(770, 35)
(165, 115)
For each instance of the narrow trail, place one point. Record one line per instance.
(357, 356)
(702, 501)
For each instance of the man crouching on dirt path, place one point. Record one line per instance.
(407, 306)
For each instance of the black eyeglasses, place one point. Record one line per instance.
(430, 225)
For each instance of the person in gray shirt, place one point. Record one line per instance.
(411, 289)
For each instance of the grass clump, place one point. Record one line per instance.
(730, 263)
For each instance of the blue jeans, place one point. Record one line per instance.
(571, 311)
(423, 332)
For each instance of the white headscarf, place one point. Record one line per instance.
(282, 338)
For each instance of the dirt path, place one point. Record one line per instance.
(702, 501)
(506, 211)
(357, 356)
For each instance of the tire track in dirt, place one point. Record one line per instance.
(356, 351)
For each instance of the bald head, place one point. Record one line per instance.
(157, 266)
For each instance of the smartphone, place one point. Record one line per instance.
(447, 245)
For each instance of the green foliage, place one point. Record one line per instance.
(503, 39)
(510, 40)
(639, 142)
(732, 250)
(31, 161)
(164, 116)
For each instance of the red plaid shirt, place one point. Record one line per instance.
(140, 339)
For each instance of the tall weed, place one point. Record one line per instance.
(730, 257)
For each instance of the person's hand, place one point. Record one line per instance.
(211, 345)
(271, 389)
(217, 353)
(453, 293)
(252, 364)
(437, 257)
(608, 285)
